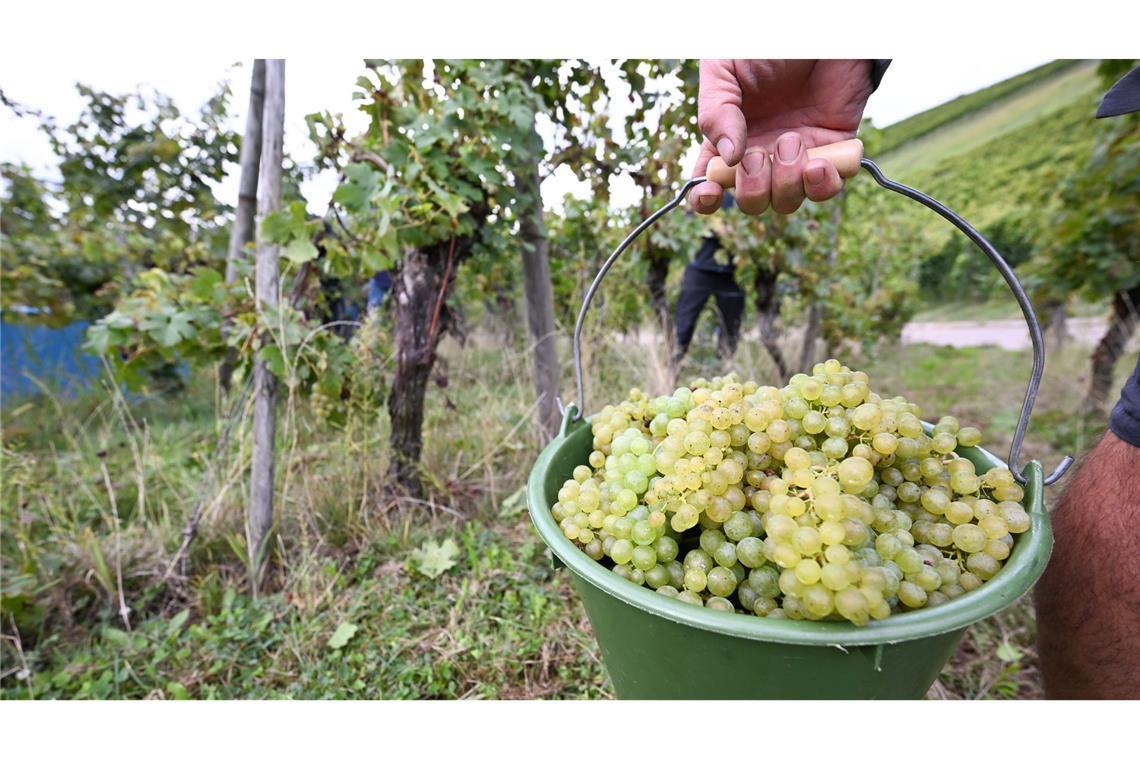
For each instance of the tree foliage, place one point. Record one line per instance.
(134, 192)
(1095, 236)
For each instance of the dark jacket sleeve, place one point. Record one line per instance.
(878, 68)
(1125, 417)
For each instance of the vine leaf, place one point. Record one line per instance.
(300, 250)
(434, 559)
(342, 635)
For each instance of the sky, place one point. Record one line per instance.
(910, 86)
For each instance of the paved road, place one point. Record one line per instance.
(1010, 334)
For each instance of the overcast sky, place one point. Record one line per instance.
(322, 83)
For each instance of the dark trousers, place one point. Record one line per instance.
(696, 287)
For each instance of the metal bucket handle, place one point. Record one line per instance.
(574, 412)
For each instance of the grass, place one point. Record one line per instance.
(349, 612)
(920, 124)
(982, 122)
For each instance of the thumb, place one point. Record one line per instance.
(718, 110)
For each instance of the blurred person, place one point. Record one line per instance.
(710, 273)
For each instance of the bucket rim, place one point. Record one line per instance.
(1018, 574)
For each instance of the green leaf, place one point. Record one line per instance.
(98, 339)
(343, 634)
(117, 637)
(203, 282)
(514, 505)
(176, 623)
(300, 250)
(273, 359)
(360, 183)
(277, 227)
(433, 559)
(1009, 653)
(178, 328)
(177, 690)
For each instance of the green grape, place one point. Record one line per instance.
(885, 443)
(594, 550)
(1015, 516)
(969, 436)
(720, 604)
(643, 533)
(996, 549)
(851, 604)
(750, 552)
(912, 595)
(818, 601)
(778, 431)
(969, 538)
(807, 571)
(695, 579)
(866, 416)
(813, 422)
(721, 581)
(834, 576)
(969, 581)
(644, 558)
(765, 607)
(790, 585)
(690, 598)
(944, 443)
(700, 559)
(765, 581)
(927, 578)
(854, 473)
(666, 549)
(725, 554)
(667, 591)
(738, 526)
(622, 551)
(982, 565)
(806, 540)
(711, 539)
(656, 576)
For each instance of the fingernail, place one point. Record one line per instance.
(754, 160)
(706, 201)
(725, 148)
(788, 147)
(815, 175)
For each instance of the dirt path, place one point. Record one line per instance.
(1010, 334)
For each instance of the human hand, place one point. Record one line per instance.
(762, 115)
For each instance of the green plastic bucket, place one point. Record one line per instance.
(655, 647)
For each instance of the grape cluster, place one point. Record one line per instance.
(818, 501)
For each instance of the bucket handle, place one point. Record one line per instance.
(574, 411)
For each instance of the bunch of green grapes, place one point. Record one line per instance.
(819, 501)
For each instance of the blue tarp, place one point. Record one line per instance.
(53, 355)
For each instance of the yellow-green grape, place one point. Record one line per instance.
(944, 443)
(969, 436)
(854, 473)
(622, 551)
(1015, 516)
(982, 565)
(721, 581)
(866, 416)
(695, 580)
(885, 443)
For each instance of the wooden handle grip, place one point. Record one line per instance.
(846, 156)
